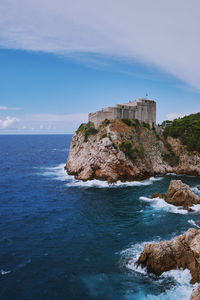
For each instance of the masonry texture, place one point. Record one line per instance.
(143, 110)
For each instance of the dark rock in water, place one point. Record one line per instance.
(195, 293)
(182, 252)
(158, 195)
(197, 223)
(180, 194)
(198, 187)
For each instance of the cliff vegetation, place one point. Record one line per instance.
(187, 129)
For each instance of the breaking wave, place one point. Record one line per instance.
(180, 287)
(59, 173)
(159, 203)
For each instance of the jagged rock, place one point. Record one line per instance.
(195, 293)
(158, 195)
(100, 153)
(182, 252)
(180, 194)
(104, 156)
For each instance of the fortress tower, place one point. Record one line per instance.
(144, 110)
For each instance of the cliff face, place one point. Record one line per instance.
(126, 150)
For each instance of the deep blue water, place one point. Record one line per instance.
(64, 239)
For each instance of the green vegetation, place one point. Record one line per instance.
(87, 130)
(106, 122)
(187, 129)
(170, 156)
(146, 125)
(127, 121)
(127, 147)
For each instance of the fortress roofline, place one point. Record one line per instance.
(144, 110)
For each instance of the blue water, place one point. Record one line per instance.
(64, 239)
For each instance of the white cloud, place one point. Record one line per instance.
(8, 122)
(9, 108)
(58, 118)
(165, 33)
(173, 116)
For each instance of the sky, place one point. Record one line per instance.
(60, 60)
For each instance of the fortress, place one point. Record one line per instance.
(144, 110)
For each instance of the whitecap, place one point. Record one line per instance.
(159, 203)
(4, 272)
(192, 222)
(59, 173)
(181, 289)
(196, 190)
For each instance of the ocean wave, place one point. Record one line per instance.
(196, 190)
(59, 173)
(192, 222)
(181, 288)
(3, 272)
(159, 203)
(60, 150)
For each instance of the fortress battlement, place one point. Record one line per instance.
(144, 110)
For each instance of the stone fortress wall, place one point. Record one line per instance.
(144, 110)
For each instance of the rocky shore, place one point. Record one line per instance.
(127, 150)
(180, 253)
(179, 194)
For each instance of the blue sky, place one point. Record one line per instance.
(54, 71)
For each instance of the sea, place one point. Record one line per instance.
(61, 238)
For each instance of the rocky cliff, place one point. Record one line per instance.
(180, 253)
(127, 150)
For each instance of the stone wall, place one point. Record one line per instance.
(144, 111)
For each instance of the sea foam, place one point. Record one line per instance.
(181, 287)
(59, 173)
(158, 203)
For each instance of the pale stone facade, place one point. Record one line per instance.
(144, 110)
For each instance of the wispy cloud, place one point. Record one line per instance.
(52, 118)
(173, 116)
(8, 122)
(10, 108)
(162, 33)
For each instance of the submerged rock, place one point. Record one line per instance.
(180, 253)
(158, 195)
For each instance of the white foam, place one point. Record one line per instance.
(196, 190)
(4, 272)
(181, 288)
(180, 175)
(60, 150)
(192, 222)
(159, 203)
(59, 173)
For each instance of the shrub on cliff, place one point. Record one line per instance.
(87, 130)
(127, 121)
(126, 147)
(187, 129)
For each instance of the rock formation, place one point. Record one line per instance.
(126, 150)
(195, 293)
(180, 253)
(179, 194)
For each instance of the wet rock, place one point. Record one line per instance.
(195, 293)
(198, 187)
(180, 253)
(158, 195)
(180, 194)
